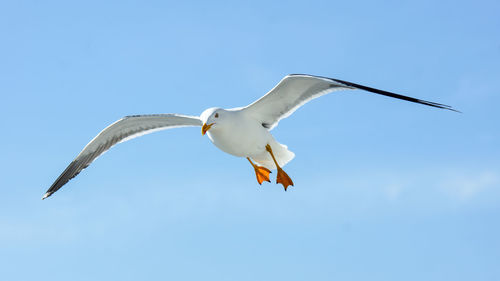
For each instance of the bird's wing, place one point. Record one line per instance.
(122, 130)
(297, 89)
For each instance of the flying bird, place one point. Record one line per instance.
(242, 132)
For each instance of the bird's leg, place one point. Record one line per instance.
(262, 173)
(282, 177)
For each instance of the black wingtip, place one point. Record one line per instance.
(452, 109)
(394, 95)
(382, 92)
(435, 104)
(46, 195)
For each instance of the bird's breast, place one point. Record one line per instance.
(240, 139)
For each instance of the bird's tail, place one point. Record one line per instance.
(281, 153)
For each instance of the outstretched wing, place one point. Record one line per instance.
(122, 130)
(297, 89)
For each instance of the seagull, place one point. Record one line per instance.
(242, 132)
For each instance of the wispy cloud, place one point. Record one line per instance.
(394, 190)
(467, 186)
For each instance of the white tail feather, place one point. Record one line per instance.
(281, 153)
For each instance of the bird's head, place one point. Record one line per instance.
(212, 118)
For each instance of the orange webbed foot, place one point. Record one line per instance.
(262, 174)
(283, 178)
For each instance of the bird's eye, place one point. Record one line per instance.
(216, 115)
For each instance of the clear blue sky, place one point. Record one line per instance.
(384, 189)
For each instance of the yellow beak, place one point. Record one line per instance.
(205, 128)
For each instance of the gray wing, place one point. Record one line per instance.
(297, 89)
(122, 130)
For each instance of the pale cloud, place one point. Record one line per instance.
(394, 190)
(466, 186)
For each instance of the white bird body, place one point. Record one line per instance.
(236, 132)
(242, 132)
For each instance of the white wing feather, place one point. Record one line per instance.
(122, 130)
(297, 89)
(291, 92)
